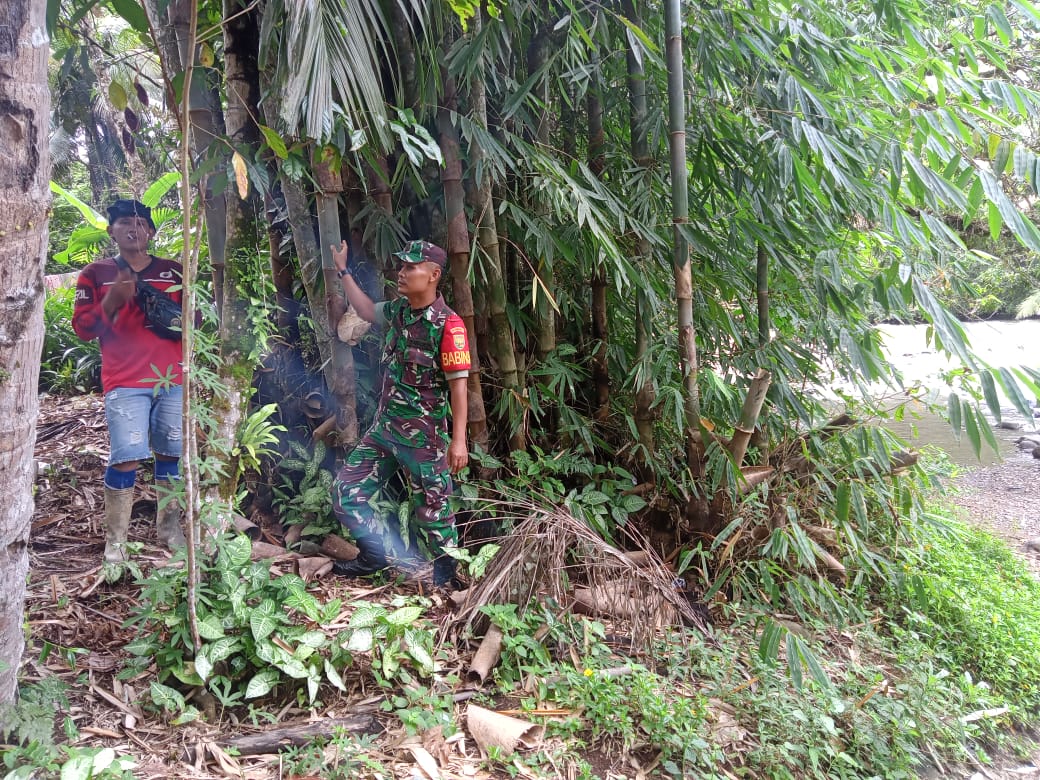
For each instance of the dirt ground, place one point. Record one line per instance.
(77, 621)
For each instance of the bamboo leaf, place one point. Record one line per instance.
(769, 643)
(1014, 392)
(794, 661)
(953, 406)
(989, 392)
(971, 427)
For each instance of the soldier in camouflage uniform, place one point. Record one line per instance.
(426, 360)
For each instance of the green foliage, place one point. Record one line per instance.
(28, 728)
(255, 437)
(306, 500)
(593, 492)
(68, 364)
(396, 640)
(981, 607)
(258, 633)
(339, 757)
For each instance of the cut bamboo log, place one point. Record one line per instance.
(339, 548)
(487, 655)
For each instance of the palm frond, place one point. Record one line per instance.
(1030, 307)
(329, 57)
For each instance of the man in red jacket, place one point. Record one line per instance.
(140, 373)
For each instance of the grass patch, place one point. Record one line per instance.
(978, 606)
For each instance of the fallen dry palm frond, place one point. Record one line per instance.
(553, 556)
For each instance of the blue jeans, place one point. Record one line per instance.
(142, 421)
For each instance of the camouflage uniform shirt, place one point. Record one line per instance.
(423, 350)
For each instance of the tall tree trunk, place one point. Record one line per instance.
(600, 319)
(458, 254)
(310, 257)
(245, 229)
(483, 209)
(545, 287)
(343, 384)
(762, 293)
(24, 205)
(645, 396)
(680, 217)
(171, 30)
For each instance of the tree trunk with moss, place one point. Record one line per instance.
(24, 205)
(246, 236)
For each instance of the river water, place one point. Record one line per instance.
(1007, 344)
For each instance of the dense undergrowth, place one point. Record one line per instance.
(941, 660)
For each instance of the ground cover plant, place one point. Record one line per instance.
(894, 692)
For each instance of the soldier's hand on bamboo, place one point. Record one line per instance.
(340, 255)
(458, 456)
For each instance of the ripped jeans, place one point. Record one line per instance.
(142, 421)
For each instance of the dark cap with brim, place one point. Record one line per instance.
(423, 252)
(129, 208)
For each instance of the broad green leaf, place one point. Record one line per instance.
(334, 677)
(405, 616)
(96, 221)
(261, 683)
(366, 615)
(414, 641)
(117, 96)
(166, 697)
(222, 648)
(79, 767)
(160, 187)
(361, 640)
(190, 715)
(953, 406)
(210, 627)
(262, 620)
(275, 141)
(203, 666)
(133, 13)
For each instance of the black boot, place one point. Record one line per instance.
(444, 573)
(371, 560)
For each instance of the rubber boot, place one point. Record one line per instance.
(371, 560)
(168, 520)
(118, 504)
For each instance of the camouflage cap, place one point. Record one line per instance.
(129, 208)
(423, 252)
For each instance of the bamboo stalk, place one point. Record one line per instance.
(756, 397)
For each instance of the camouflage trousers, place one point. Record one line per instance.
(366, 471)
